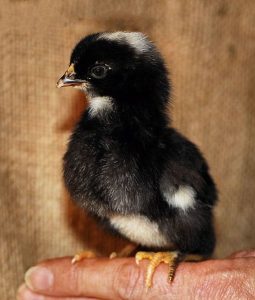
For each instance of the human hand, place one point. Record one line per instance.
(96, 279)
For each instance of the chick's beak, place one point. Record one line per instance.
(69, 78)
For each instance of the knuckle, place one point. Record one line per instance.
(126, 282)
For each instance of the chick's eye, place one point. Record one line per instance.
(98, 72)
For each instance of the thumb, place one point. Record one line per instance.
(98, 278)
(103, 279)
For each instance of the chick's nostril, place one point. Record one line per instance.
(69, 75)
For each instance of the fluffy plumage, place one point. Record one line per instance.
(125, 164)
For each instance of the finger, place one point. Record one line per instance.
(109, 279)
(24, 293)
(99, 278)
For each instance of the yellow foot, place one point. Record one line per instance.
(82, 255)
(156, 258)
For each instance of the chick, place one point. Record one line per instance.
(125, 164)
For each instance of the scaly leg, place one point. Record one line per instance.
(82, 255)
(156, 258)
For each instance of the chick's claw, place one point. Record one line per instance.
(82, 255)
(156, 258)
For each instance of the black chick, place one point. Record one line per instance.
(125, 164)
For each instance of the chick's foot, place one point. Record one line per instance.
(156, 258)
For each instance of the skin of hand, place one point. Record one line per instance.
(121, 278)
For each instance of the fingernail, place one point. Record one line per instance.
(39, 278)
(25, 294)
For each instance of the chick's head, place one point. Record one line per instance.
(118, 65)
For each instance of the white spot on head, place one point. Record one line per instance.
(183, 198)
(137, 40)
(139, 229)
(100, 105)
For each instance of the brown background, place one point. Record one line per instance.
(210, 49)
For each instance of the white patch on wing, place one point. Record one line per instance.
(99, 105)
(139, 229)
(183, 198)
(135, 39)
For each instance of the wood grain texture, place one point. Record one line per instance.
(210, 49)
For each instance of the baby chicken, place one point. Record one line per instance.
(125, 164)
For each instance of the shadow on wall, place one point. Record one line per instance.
(87, 230)
(78, 106)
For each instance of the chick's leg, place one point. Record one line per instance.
(156, 258)
(82, 255)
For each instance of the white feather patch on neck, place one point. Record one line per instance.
(100, 105)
